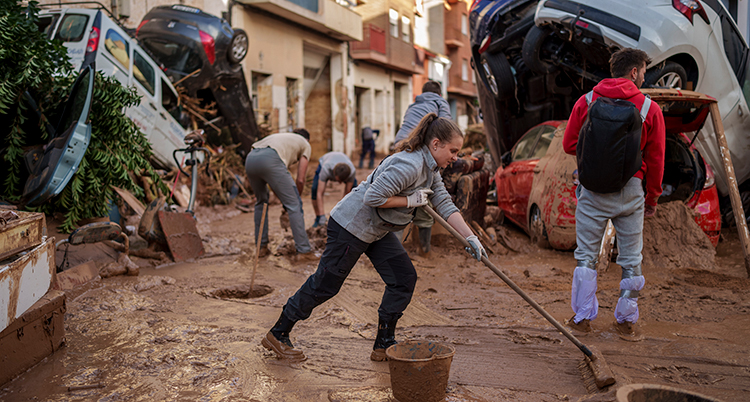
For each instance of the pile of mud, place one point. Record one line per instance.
(672, 239)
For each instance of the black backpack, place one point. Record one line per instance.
(609, 143)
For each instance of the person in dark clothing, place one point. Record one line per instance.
(368, 146)
(405, 180)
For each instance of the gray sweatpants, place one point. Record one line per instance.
(625, 209)
(264, 166)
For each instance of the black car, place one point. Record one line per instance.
(205, 52)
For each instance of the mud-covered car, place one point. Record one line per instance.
(534, 59)
(184, 40)
(536, 184)
(693, 44)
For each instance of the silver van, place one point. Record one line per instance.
(92, 36)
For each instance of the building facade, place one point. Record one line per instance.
(383, 64)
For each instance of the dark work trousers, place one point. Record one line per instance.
(342, 251)
(368, 146)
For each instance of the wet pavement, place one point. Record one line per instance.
(191, 331)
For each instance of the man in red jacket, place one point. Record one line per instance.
(626, 207)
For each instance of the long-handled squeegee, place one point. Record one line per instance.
(599, 369)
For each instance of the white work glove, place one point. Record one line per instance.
(418, 198)
(476, 250)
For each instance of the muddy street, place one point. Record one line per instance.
(190, 331)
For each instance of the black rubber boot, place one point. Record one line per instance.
(385, 338)
(425, 235)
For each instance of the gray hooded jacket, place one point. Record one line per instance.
(428, 102)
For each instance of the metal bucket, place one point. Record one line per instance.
(419, 370)
(659, 393)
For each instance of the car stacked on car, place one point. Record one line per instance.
(204, 52)
(534, 59)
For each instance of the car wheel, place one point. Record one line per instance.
(536, 227)
(500, 80)
(238, 46)
(666, 75)
(533, 51)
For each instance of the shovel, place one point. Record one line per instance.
(601, 372)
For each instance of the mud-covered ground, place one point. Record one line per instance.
(182, 331)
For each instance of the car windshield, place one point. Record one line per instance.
(174, 56)
(72, 28)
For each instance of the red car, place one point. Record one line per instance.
(536, 185)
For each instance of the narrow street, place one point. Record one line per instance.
(185, 332)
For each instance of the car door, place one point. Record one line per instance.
(511, 179)
(524, 176)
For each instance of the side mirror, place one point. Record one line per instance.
(506, 159)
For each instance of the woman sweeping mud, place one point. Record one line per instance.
(362, 222)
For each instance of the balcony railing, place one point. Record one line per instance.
(373, 38)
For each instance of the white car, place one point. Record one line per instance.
(693, 44)
(93, 38)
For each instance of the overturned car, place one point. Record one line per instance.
(536, 58)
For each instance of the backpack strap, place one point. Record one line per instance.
(589, 96)
(644, 108)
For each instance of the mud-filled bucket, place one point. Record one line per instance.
(659, 393)
(419, 370)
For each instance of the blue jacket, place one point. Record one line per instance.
(428, 102)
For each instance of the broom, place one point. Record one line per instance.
(592, 356)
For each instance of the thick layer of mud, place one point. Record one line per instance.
(161, 336)
(672, 239)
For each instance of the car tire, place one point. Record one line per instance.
(498, 74)
(666, 75)
(532, 50)
(537, 230)
(238, 46)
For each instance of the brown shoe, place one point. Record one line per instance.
(264, 252)
(284, 350)
(378, 355)
(583, 326)
(307, 257)
(628, 331)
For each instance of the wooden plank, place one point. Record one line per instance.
(130, 199)
(734, 192)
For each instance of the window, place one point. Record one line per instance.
(465, 70)
(523, 148)
(72, 28)
(143, 72)
(311, 5)
(47, 23)
(118, 47)
(172, 105)
(405, 28)
(174, 56)
(544, 140)
(393, 20)
(464, 24)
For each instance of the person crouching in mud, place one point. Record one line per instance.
(363, 222)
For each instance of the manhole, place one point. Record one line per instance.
(242, 292)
